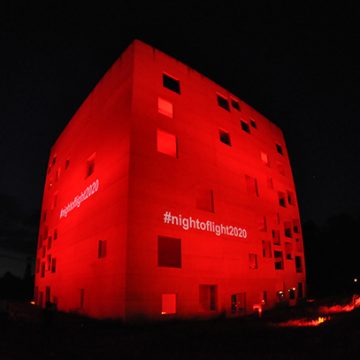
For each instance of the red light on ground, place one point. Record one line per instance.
(304, 322)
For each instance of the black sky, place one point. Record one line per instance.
(299, 66)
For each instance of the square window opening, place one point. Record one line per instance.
(171, 83)
(224, 137)
(245, 126)
(223, 102)
(167, 143)
(169, 252)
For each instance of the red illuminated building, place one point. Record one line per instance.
(167, 196)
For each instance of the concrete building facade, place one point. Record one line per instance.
(167, 196)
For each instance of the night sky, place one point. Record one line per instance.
(298, 66)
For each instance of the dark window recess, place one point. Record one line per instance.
(276, 237)
(282, 201)
(169, 252)
(279, 149)
(266, 248)
(171, 83)
(90, 166)
(55, 234)
(298, 264)
(290, 197)
(42, 274)
(287, 229)
(296, 226)
(279, 260)
(253, 124)
(53, 265)
(238, 303)
(67, 163)
(205, 200)
(53, 161)
(223, 102)
(208, 297)
(44, 216)
(224, 137)
(102, 249)
(235, 104)
(245, 126)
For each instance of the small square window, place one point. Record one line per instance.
(165, 107)
(223, 102)
(168, 304)
(205, 200)
(296, 226)
(90, 165)
(253, 261)
(171, 83)
(67, 164)
(48, 262)
(169, 252)
(224, 137)
(253, 123)
(279, 149)
(245, 126)
(235, 104)
(102, 249)
(166, 143)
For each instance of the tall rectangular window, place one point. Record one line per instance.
(224, 137)
(263, 223)
(166, 143)
(253, 261)
(266, 248)
(169, 252)
(171, 83)
(238, 303)
(276, 237)
(290, 197)
(223, 102)
(168, 304)
(102, 249)
(42, 274)
(287, 229)
(279, 260)
(298, 264)
(251, 185)
(90, 165)
(208, 297)
(205, 200)
(53, 265)
(165, 107)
